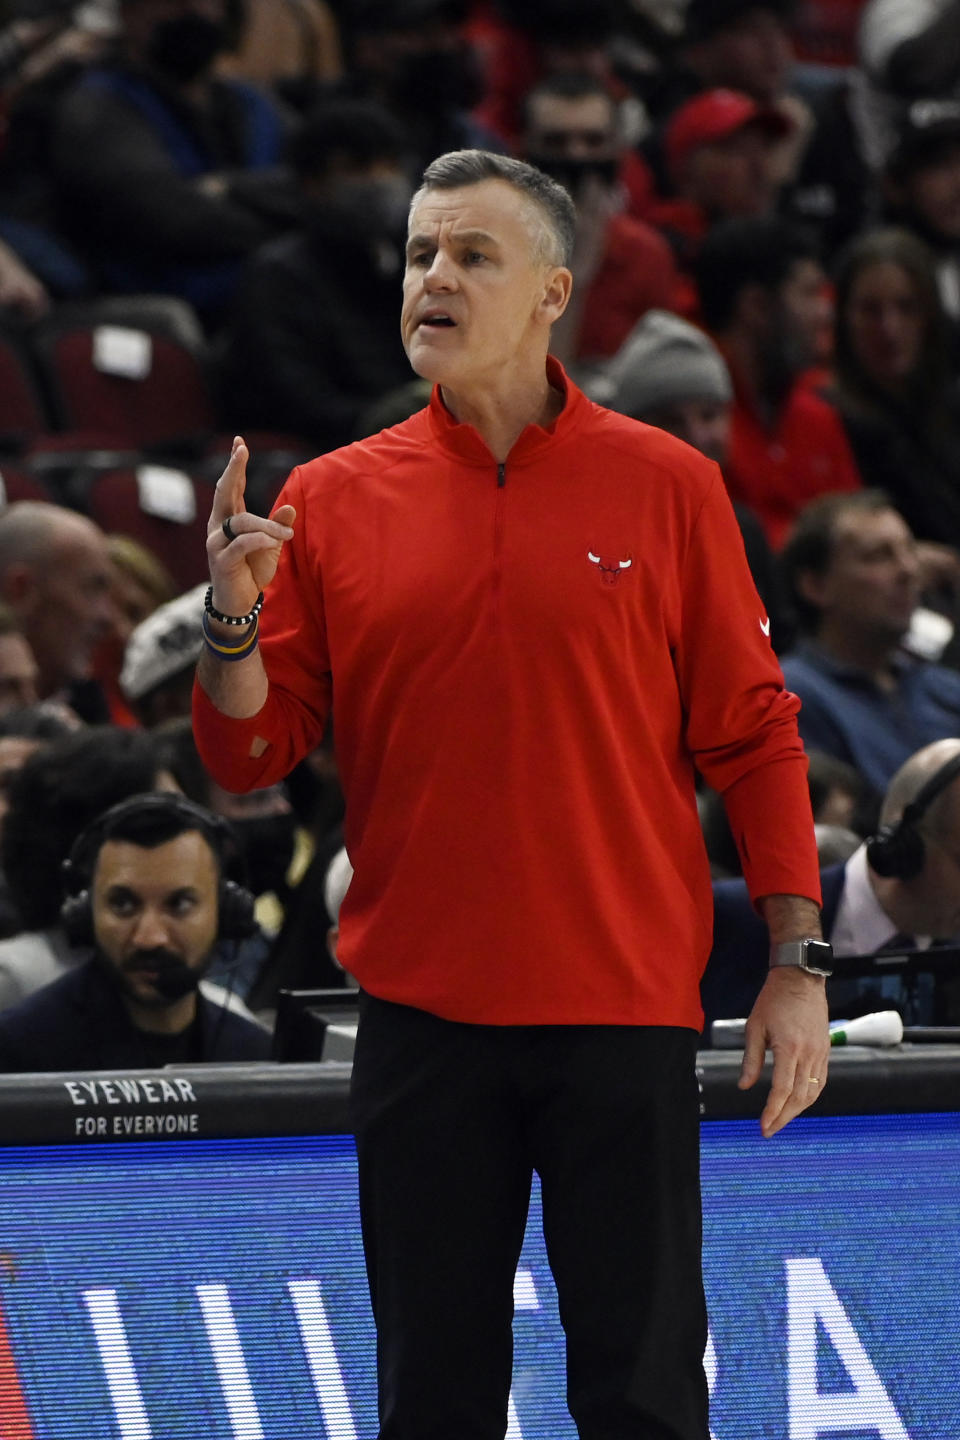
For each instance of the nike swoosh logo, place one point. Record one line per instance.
(765, 626)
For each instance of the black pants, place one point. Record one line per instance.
(451, 1120)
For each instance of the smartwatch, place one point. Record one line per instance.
(814, 956)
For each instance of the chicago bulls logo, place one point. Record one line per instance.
(610, 570)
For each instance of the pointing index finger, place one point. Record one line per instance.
(228, 495)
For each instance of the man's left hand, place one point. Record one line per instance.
(790, 1019)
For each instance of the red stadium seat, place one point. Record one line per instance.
(165, 509)
(130, 369)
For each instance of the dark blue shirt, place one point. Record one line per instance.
(845, 712)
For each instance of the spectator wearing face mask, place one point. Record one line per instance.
(312, 338)
(166, 174)
(621, 266)
(274, 854)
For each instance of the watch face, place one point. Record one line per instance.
(818, 955)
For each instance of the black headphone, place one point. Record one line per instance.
(898, 851)
(235, 902)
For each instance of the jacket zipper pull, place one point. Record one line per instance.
(501, 474)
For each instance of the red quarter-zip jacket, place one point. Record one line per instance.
(526, 662)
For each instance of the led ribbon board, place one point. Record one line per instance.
(214, 1289)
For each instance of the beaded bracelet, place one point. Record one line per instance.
(231, 652)
(232, 619)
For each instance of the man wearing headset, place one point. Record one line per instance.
(146, 890)
(900, 891)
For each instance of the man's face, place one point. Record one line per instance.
(732, 176)
(562, 129)
(155, 908)
(885, 323)
(871, 584)
(478, 301)
(933, 192)
(576, 143)
(704, 424)
(70, 608)
(18, 673)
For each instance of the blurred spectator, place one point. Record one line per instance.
(161, 655)
(139, 583)
(273, 850)
(55, 576)
(835, 191)
(262, 821)
(289, 46)
(415, 60)
(57, 792)
(149, 894)
(895, 390)
(719, 155)
(852, 567)
(22, 732)
(18, 668)
(922, 188)
(166, 173)
(522, 42)
(41, 52)
(838, 794)
(740, 45)
(736, 44)
(864, 910)
(763, 297)
(621, 267)
(839, 799)
(908, 50)
(670, 374)
(312, 339)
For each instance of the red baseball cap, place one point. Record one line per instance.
(713, 116)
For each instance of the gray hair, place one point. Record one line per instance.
(552, 204)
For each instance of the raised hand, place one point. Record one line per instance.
(240, 568)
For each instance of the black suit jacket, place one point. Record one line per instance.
(79, 1023)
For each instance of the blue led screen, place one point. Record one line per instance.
(185, 1289)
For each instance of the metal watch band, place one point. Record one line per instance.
(813, 955)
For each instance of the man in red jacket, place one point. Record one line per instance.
(533, 621)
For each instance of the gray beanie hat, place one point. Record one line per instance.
(665, 359)
(165, 644)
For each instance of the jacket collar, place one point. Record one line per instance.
(465, 444)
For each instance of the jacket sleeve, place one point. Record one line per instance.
(741, 723)
(295, 656)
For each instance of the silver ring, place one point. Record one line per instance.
(228, 529)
